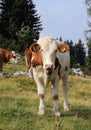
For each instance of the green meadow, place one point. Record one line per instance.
(19, 103)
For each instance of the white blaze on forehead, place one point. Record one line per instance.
(48, 50)
(47, 43)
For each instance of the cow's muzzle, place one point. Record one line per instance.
(49, 69)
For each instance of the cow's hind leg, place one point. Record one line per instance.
(65, 91)
(1, 68)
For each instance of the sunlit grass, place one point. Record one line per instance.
(19, 103)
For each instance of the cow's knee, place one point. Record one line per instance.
(55, 97)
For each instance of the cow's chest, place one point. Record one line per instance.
(40, 74)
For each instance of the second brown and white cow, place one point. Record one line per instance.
(28, 56)
(50, 62)
(5, 57)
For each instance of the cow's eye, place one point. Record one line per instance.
(55, 50)
(41, 49)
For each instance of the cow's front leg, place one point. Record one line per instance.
(40, 88)
(30, 72)
(55, 97)
(41, 99)
(65, 91)
(41, 105)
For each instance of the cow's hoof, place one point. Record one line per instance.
(30, 75)
(66, 109)
(1, 74)
(57, 114)
(41, 113)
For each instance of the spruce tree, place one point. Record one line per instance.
(80, 53)
(88, 32)
(72, 53)
(18, 14)
(77, 53)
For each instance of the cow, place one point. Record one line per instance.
(5, 57)
(17, 58)
(50, 62)
(28, 56)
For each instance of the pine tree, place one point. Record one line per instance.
(88, 32)
(60, 39)
(77, 53)
(18, 14)
(80, 53)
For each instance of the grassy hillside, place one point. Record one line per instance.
(19, 103)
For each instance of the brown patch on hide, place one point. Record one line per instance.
(63, 47)
(33, 55)
(5, 56)
(36, 59)
(28, 55)
(66, 68)
(59, 70)
(57, 64)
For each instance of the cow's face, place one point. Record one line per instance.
(48, 52)
(48, 49)
(12, 57)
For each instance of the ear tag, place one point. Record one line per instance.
(63, 49)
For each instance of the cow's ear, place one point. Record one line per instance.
(35, 47)
(63, 47)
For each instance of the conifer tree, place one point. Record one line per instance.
(72, 53)
(80, 53)
(18, 14)
(77, 53)
(88, 32)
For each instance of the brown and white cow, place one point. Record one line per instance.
(5, 56)
(28, 56)
(50, 62)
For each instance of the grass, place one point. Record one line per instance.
(19, 103)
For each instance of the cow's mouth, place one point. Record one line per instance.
(49, 72)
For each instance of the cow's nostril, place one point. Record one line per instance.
(48, 66)
(49, 72)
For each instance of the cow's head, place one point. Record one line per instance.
(12, 57)
(48, 49)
